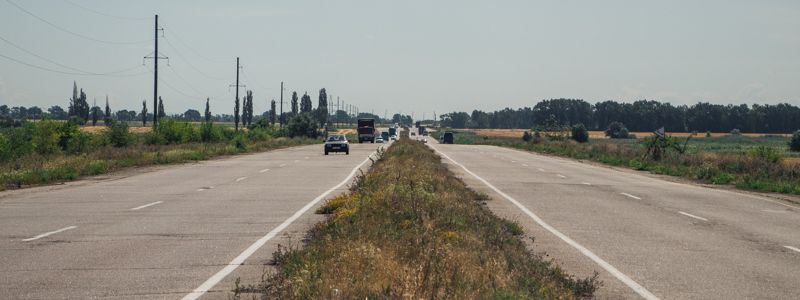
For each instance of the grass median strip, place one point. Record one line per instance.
(410, 229)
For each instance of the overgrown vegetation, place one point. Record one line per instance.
(410, 229)
(755, 163)
(50, 151)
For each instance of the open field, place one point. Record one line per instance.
(761, 163)
(595, 134)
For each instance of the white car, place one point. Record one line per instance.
(424, 140)
(393, 138)
(379, 140)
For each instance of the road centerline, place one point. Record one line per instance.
(630, 196)
(46, 234)
(636, 287)
(795, 249)
(240, 179)
(263, 171)
(147, 205)
(693, 216)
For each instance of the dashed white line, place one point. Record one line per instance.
(240, 179)
(540, 169)
(585, 183)
(630, 196)
(792, 248)
(282, 165)
(693, 216)
(147, 205)
(236, 262)
(775, 211)
(561, 176)
(46, 234)
(296, 161)
(636, 287)
(205, 188)
(524, 165)
(513, 161)
(263, 171)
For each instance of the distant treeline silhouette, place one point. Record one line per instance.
(643, 115)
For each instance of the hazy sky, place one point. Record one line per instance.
(405, 56)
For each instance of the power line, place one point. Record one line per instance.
(72, 32)
(113, 73)
(195, 52)
(185, 81)
(189, 63)
(105, 14)
(67, 73)
(173, 88)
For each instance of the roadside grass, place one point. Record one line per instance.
(410, 229)
(48, 151)
(760, 163)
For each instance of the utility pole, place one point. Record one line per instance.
(237, 85)
(337, 109)
(280, 118)
(155, 59)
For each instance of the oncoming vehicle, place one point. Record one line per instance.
(337, 143)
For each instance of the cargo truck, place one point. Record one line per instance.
(366, 130)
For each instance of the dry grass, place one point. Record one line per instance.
(409, 229)
(102, 129)
(346, 131)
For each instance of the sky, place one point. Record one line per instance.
(410, 56)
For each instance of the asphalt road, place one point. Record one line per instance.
(647, 237)
(161, 234)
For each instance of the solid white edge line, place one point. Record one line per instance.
(692, 216)
(630, 196)
(792, 248)
(585, 183)
(147, 205)
(236, 262)
(586, 252)
(46, 234)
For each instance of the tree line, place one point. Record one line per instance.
(643, 115)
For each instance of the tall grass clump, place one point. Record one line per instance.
(794, 144)
(410, 229)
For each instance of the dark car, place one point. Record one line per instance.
(447, 138)
(337, 143)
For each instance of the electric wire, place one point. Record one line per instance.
(112, 73)
(105, 14)
(195, 52)
(189, 63)
(68, 73)
(72, 32)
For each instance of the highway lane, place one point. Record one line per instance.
(669, 240)
(163, 233)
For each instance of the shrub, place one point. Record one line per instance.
(736, 131)
(302, 125)
(5, 148)
(579, 133)
(794, 144)
(170, 131)
(240, 142)
(527, 136)
(708, 134)
(767, 153)
(617, 130)
(45, 137)
(118, 134)
(210, 133)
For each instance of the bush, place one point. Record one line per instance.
(767, 153)
(302, 125)
(579, 133)
(736, 132)
(45, 137)
(794, 144)
(170, 131)
(527, 136)
(118, 134)
(5, 148)
(210, 133)
(617, 130)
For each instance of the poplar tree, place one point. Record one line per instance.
(161, 113)
(272, 112)
(305, 103)
(107, 117)
(294, 103)
(208, 110)
(144, 112)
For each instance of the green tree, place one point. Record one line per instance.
(272, 112)
(144, 112)
(208, 110)
(617, 130)
(794, 144)
(302, 125)
(161, 113)
(305, 104)
(236, 115)
(96, 111)
(322, 107)
(294, 103)
(192, 115)
(107, 115)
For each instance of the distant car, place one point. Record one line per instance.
(393, 138)
(385, 136)
(337, 143)
(413, 134)
(423, 140)
(379, 140)
(447, 138)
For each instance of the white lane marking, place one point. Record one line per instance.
(630, 196)
(561, 176)
(524, 165)
(283, 165)
(205, 188)
(236, 262)
(775, 211)
(513, 161)
(296, 161)
(540, 169)
(147, 205)
(792, 248)
(585, 183)
(306, 157)
(693, 216)
(46, 234)
(240, 179)
(263, 171)
(586, 252)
